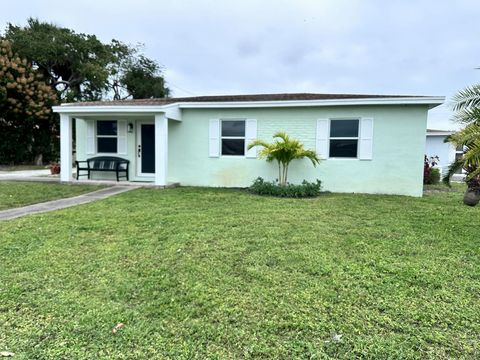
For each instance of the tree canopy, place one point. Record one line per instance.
(143, 79)
(25, 107)
(43, 63)
(80, 67)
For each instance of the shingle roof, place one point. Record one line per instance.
(240, 98)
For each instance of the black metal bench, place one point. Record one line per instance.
(104, 163)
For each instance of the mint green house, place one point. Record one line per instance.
(368, 143)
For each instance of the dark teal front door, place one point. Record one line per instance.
(147, 149)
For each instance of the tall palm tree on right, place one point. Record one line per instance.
(467, 113)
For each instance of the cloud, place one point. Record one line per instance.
(369, 46)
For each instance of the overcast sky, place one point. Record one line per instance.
(423, 47)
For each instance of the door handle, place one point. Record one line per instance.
(139, 150)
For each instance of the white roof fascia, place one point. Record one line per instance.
(174, 109)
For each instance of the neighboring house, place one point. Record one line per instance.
(369, 143)
(446, 152)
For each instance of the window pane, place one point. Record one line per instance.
(106, 145)
(107, 127)
(233, 147)
(343, 148)
(344, 128)
(233, 128)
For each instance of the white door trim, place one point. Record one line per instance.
(139, 142)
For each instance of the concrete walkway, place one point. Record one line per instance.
(6, 175)
(64, 203)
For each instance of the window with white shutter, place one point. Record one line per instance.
(107, 136)
(233, 137)
(250, 135)
(214, 138)
(322, 138)
(90, 145)
(365, 147)
(122, 137)
(344, 134)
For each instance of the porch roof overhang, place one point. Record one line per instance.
(171, 111)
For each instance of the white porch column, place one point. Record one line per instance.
(161, 149)
(65, 147)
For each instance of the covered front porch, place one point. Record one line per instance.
(138, 135)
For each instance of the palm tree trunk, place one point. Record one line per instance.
(279, 173)
(286, 173)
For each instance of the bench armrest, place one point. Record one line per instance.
(120, 163)
(78, 162)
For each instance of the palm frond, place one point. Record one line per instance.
(467, 115)
(467, 98)
(282, 135)
(453, 168)
(284, 150)
(258, 142)
(309, 154)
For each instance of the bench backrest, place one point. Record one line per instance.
(105, 162)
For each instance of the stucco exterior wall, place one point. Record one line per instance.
(396, 167)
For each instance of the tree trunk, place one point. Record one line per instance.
(279, 173)
(471, 197)
(283, 182)
(38, 159)
(286, 173)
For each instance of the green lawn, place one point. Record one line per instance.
(214, 273)
(14, 194)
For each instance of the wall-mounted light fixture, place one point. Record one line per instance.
(130, 127)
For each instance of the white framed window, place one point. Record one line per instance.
(232, 137)
(344, 138)
(107, 136)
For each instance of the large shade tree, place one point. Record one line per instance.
(284, 150)
(81, 67)
(25, 107)
(78, 67)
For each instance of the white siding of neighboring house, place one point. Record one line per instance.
(436, 146)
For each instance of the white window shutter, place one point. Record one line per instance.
(366, 139)
(322, 138)
(250, 135)
(90, 146)
(122, 137)
(214, 138)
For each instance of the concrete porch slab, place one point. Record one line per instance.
(56, 179)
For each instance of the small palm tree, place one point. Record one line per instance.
(284, 150)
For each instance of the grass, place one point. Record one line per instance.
(222, 274)
(15, 194)
(454, 187)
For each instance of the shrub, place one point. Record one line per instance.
(433, 176)
(428, 168)
(305, 189)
